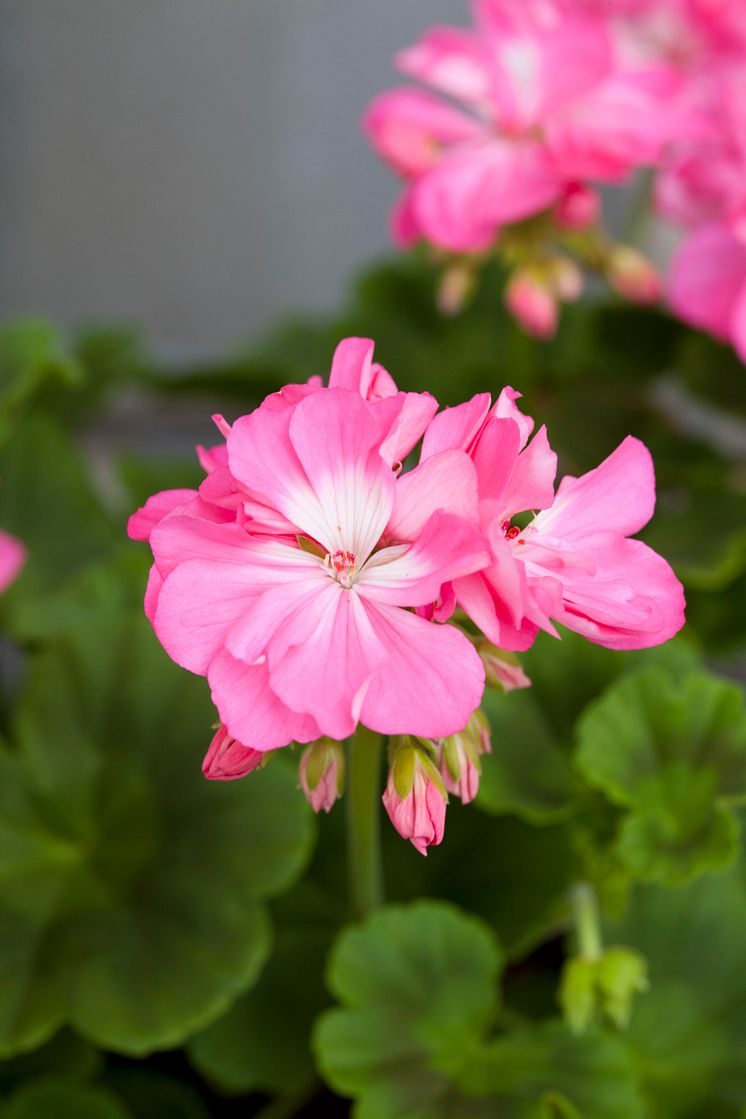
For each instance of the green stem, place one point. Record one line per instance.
(363, 795)
(587, 923)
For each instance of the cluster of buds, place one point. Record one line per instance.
(422, 772)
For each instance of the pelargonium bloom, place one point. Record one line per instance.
(12, 558)
(540, 99)
(707, 285)
(298, 608)
(574, 561)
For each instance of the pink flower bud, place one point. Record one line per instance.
(633, 276)
(503, 670)
(567, 280)
(460, 766)
(532, 305)
(415, 797)
(455, 288)
(321, 773)
(579, 207)
(227, 758)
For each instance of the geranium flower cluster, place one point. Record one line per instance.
(318, 585)
(524, 114)
(702, 183)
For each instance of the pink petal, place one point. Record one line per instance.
(531, 485)
(633, 600)
(250, 709)
(322, 658)
(476, 188)
(336, 438)
(447, 548)
(160, 505)
(446, 481)
(619, 495)
(495, 457)
(452, 61)
(408, 126)
(12, 558)
(708, 277)
(506, 408)
(429, 684)
(456, 428)
(403, 419)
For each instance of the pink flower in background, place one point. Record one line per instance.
(12, 557)
(298, 611)
(544, 102)
(708, 284)
(573, 561)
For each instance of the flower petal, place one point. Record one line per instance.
(249, 708)
(446, 481)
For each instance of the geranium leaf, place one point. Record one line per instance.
(132, 888)
(672, 754)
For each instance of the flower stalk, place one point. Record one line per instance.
(363, 821)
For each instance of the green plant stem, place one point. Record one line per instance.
(363, 825)
(586, 920)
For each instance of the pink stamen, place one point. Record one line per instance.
(344, 564)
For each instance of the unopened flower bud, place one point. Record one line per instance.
(455, 287)
(567, 279)
(532, 305)
(415, 797)
(460, 766)
(321, 772)
(503, 670)
(228, 759)
(579, 207)
(633, 276)
(591, 990)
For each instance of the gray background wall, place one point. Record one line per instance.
(194, 166)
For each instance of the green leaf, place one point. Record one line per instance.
(32, 358)
(688, 1031)
(48, 502)
(672, 753)
(258, 1045)
(62, 1099)
(65, 1055)
(418, 991)
(132, 888)
(149, 1095)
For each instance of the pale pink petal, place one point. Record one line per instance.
(322, 658)
(456, 428)
(445, 481)
(12, 557)
(547, 54)
(336, 438)
(431, 681)
(179, 538)
(250, 709)
(450, 60)
(447, 548)
(407, 127)
(352, 365)
(403, 225)
(160, 505)
(619, 495)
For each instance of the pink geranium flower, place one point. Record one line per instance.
(12, 558)
(542, 100)
(573, 562)
(298, 608)
(708, 284)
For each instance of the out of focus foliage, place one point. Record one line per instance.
(180, 949)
